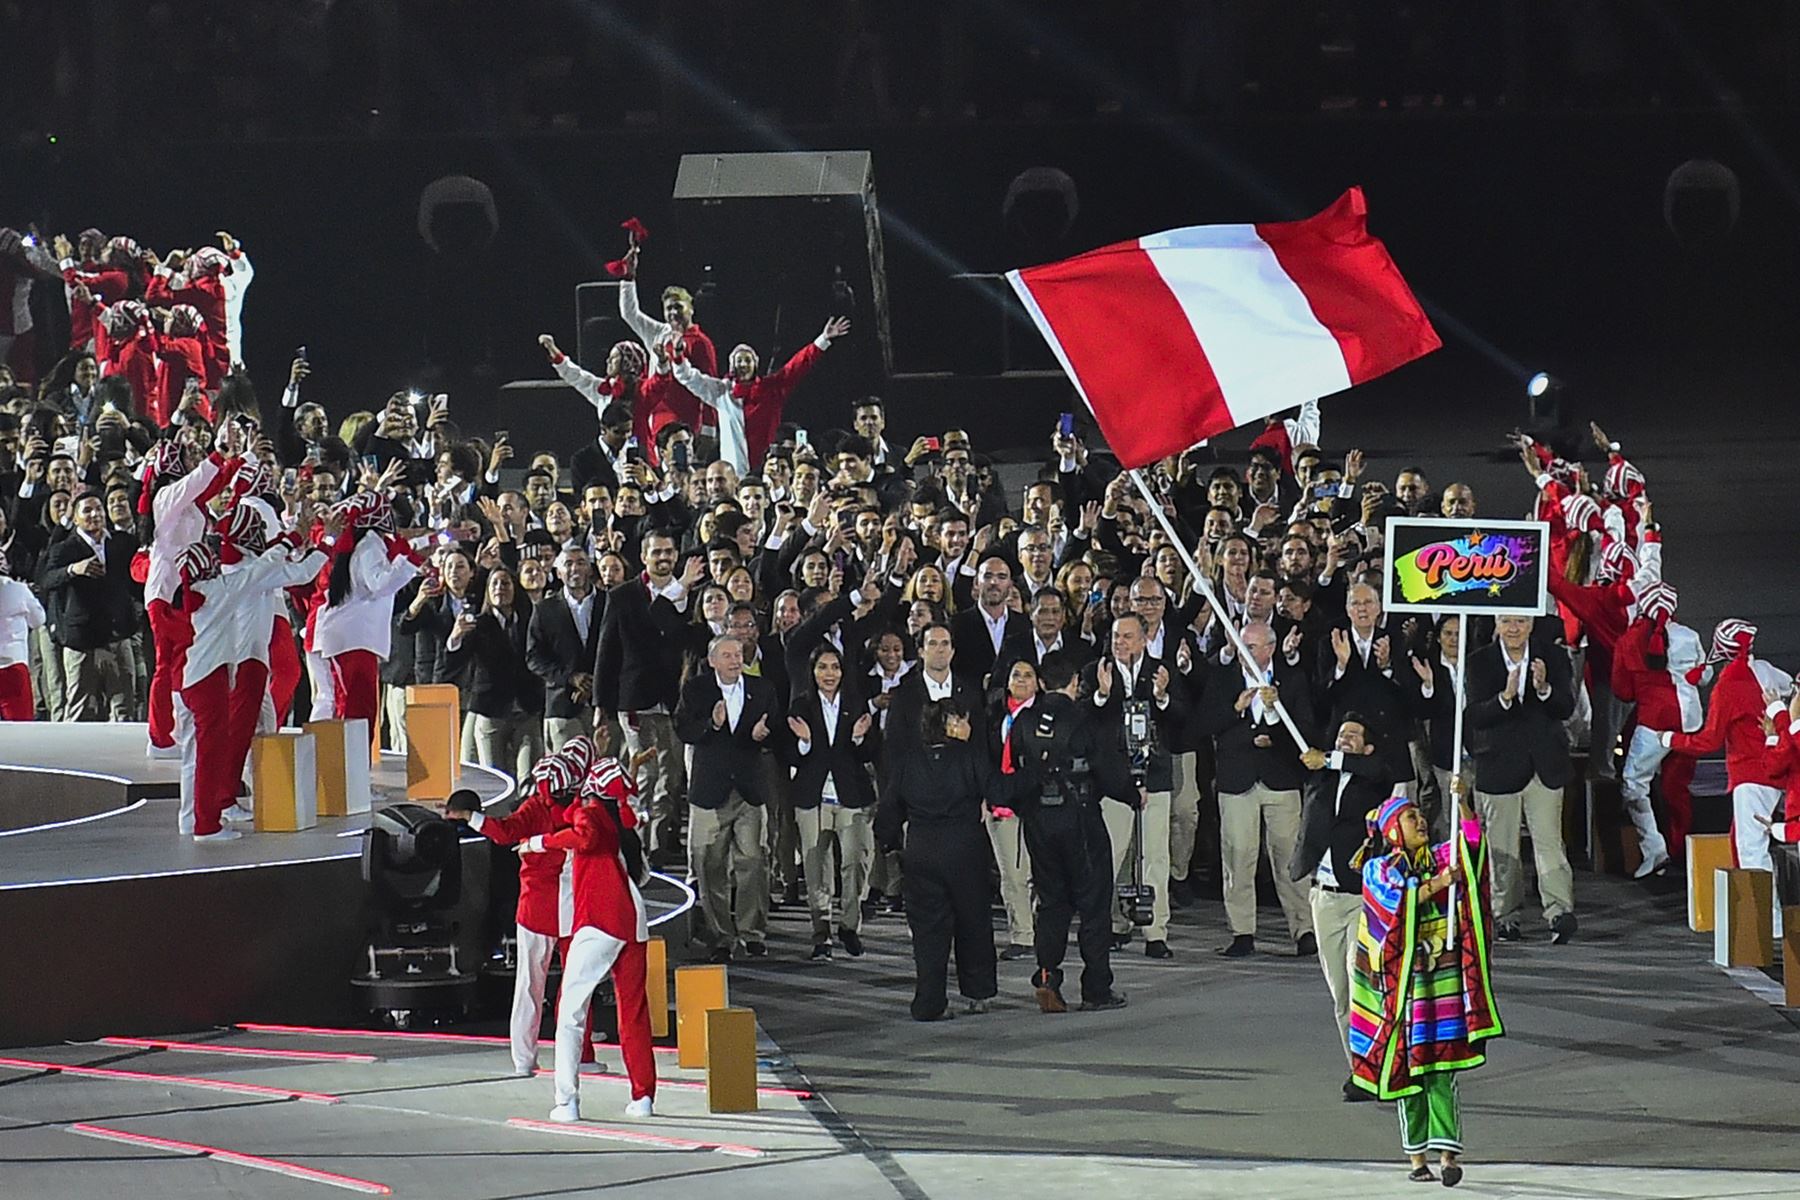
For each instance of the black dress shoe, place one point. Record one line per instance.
(1120, 941)
(1015, 952)
(821, 950)
(756, 949)
(1507, 931)
(792, 895)
(1158, 949)
(943, 1014)
(1562, 930)
(1181, 893)
(1354, 1094)
(896, 905)
(1110, 1000)
(852, 941)
(1307, 946)
(1242, 946)
(720, 954)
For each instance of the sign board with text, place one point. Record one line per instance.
(1439, 565)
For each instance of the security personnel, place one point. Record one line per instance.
(1074, 762)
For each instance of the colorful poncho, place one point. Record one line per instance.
(1422, 998)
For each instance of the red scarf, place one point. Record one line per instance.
(1013, 709)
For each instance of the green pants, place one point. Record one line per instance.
(1432, 1119)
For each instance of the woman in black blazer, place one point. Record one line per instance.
(503, 693)
(830, 744)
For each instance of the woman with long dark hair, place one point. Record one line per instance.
(933, 805)
(354, 630)
(1006, 705)
(505, 696)
(830, 745)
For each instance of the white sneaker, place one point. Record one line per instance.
(566, 1114)
(237, 814)
(519, 1072)
(155, 751)
(224, 835)
(641, 1107)
(1651, 866)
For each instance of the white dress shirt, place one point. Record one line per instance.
(733, 694)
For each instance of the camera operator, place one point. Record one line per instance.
(1139, 697)
(1064, 747)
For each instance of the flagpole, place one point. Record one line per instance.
(1205, 587)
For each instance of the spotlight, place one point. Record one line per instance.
(412, 862)
(1539, 384)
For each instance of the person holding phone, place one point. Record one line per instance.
(678, 337)
(354, 629)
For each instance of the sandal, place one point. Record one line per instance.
(1453, 1174)
(1422, 1174)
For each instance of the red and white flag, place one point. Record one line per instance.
(1178, 336)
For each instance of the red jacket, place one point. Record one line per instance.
(666, 401)
(1782, 750)
(207, 294)
(107, 285)
(546, 896)
(135, 358)
(1602, 611)
(181, 358)
(605, 897)
(1734, 721)
(1635, 681)
(764, 398)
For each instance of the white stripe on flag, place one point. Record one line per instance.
(1265, 346)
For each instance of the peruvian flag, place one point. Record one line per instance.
(1179, 336)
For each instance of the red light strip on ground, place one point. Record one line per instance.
(241, 1051)
(217, 1085)
(402, 1034)
(686, 1085)
(643, 1139)
(253, 1161)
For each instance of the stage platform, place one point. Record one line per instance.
(117, 922)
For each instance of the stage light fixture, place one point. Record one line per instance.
(412, 862)
(1538, 384)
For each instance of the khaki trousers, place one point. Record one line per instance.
(394, 703)
(853, 832)
(560, 731)
(1335, 916)
(1184, 815)
(1154, 852)
(511, 744)
(1008, 840)
(726, 863)
(661, 782)
(98, 683)
(1541, 807)
(1261, 818)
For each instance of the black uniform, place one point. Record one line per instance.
(936, 793)
(1072, 763)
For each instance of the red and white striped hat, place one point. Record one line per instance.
(580, 753)
(1622, 480)
(368, 510)
(124, 319)
(126, 246)
(633, 359)
(184, 321)
(555, 775)
(199, 561)
(1581, 513)
(208, 260)
(1658, 602)
(1731, 638)
(1617, 562)
(245, 529)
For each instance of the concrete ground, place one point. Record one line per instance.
(1630, 1067)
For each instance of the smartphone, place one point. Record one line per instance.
(680, 456)
(370, 463)
(290, 479)
(841, 560)
(1322, 490)
(634, 454)
(501, 435)
(934, 443)
(1066, 424)
(800, 437)
(300, 353)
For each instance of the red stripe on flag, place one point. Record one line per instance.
(1128, 342)
(1353, 287)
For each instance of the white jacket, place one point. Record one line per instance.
(364, 620)
(180, 522)
(225, 629)
(20, 613)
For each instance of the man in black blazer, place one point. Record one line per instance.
(86, 581)
(1048, 634)
(1343, 788)
(1259, 775)
(726, 717)
(1359, 670)
(1129, 673)
(562, 645)
(1519, 696)
(979, 632)
(831, 739)
(932, 679)
(637, 675)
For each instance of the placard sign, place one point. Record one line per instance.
(1438, 565)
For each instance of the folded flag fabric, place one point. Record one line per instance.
(1178, 336)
